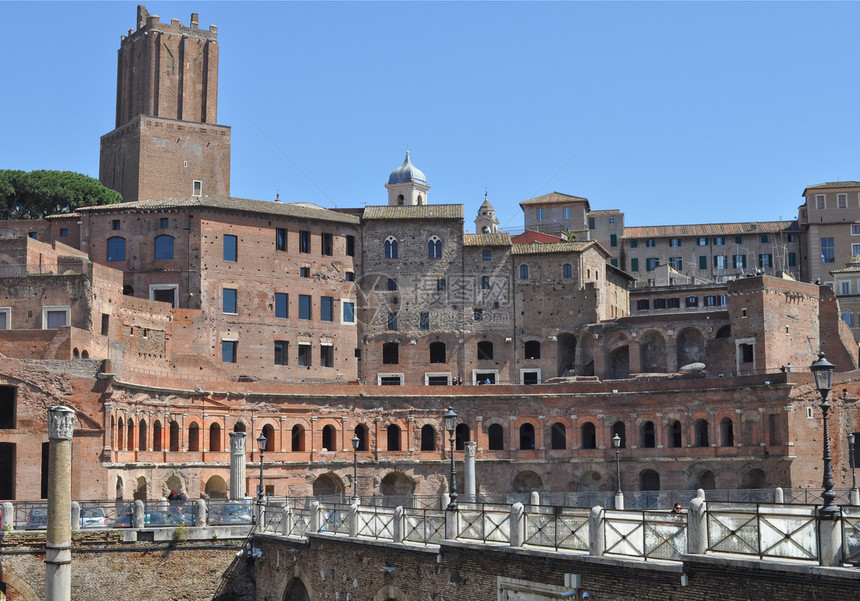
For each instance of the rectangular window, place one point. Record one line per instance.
(739, 261)
(565, 213)
(791, 237)
(348, 311)
(115, 224)
(820, 202)
(392, 284)
(613, 262)
(282, 352)
(55, 317)
(539, 214)
(486, 255)
(478, 315)
(848, 318)
(282, 305)
(197, 188)
(845, 288)
(738, 240)
(231, 248)
(720, 261)
(634, 243)
(703, 262)
(64, 232)
(692, 301)
(650, 264)
(304, 354)
(6, 319)
(634, 264)
(673, 303)
(650, 243)
(702, 241)
(642, 304)
(674, 242)
(327, 242)
(485, 282)
(842, 200)
(304, 272)
(746, 352)
(827, 255)
(228, 351)
(441, 285)
(280, 239)
(424, 321)
(792, 260)
(710, 300)
(719, 241)
(326, 355)
(326, 308)
(304, 306)
(764, 238)
(855, 230)
(350, 246)
(659, 303)
(613, 240)
(676, 263)
(612, 221)
(230, 301)
(855, 250)
(591, 223)
(392, 321)
(164, 223)
(765, 260)
(304, 241)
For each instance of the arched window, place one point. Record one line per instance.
(532, 349)
(558, 436)
(130, 439)
(485, 350)
(496, 437)
(120, 435)
(391, 247)
(390, 353)
(428, 438)
(156, 435)
(297, 438)
(174, 436)
(619, 429)
(675, 434)
(164, 247)
(649, 480)
(400, 199)
(567, 271)
(589, 436)
(434, 248)
(393, 437)
(141, 436)
(527, 437)
(701, 427)
(269, 433)
(116, 249)
(437, 352)
(215, 438)
(524, 272)
(328, 438)
(239, 427)
(648, 439)
(361, 433)
(727, 432)
(194, 437)
(461, 436)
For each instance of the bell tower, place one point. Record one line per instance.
(407, 185)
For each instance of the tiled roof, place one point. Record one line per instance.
(552, 198)
(709, 229)
(529, 236)
(497, 239)
(849, 269)
(604, 212)
(536, 248)
(414, 212)
(302, 210)
(826, 185)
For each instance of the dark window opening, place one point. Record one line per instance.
(437, 352)
(297, 438)
(589, 436)
(675, 434)
(8, 409)
(558, 436)
(461, 436)
(496, 437)
(393, 434)
(390, 353)
(648, 439)
(532, 349)
(485, 350)
(328, 438)
(428, 438)
(527, 437)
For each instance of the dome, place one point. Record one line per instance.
(406, 173)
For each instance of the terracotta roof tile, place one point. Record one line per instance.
(497, 239)
(537, 248)
(552, 198)
(414, 212)
(710, 229)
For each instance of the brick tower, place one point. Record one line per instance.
(167, 143)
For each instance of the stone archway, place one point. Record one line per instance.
(296, 591)
(389, 592)
(216, 488)
(690, 347)
(619, 363)
(396, 484)
(327, 484)
(652, 352)
(566, 355)
(527, 481)
(16, 588)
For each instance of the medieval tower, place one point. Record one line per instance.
(167, 143)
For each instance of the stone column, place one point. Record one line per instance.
(58, 546)
(108, 438)
(596, 540)
(697, 526)
(237, 465)
(469, 472)
(517, 524)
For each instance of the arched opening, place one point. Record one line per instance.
(706, 480)
(140, 489)
(327, 484)
(586, 367)
(701, 433)
(393, 432)
(361, 433)
(428, 438)
(434, 248)
(269, 433)
(130, 438)
(390, 353)
(116, 249)
(532, 349)
(296, 590)
(527, 437)
(485, 350)
(496, 437)
(652, 352)
(590, 481)
(328, 438)
(648, 438)
(754, 478)
(675, 439)
(174, 436)
(558, 436)
(589, 436)
(396, 484)
(619, 429)
(461, 436)
(215, 438)
(527, 481)
(437, 352)
(691, 347)
(164, 247)
(619, 362)
(194, 437)
(724, 332)
(239, 427)
(141, 436)
(297, 438)
(173, 482)
(156, 436)
(128, 290)
(216, 488)
(120, 435)
(391, 247)
(400, 199)
(76, 353)
(85, 354)
(120, 494)
(649, 480)
(727, 432)
(566, 353)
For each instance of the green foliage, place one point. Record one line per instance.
(36, 194)
(180, 534)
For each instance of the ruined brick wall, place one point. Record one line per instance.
(837, 341)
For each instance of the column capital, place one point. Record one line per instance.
(237, 442)
(61, 422)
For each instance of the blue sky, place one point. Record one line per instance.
(671, 112)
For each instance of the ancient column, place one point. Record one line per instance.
(469, 472)
(237, 465)
(58, 546)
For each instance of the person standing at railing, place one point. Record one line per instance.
(677, 513)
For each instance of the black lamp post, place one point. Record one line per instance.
(616, 443)
(355, 443)
(851, 460)
(823, 372)
(261, 446)
(451, 425)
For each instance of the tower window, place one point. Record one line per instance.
(197, 188)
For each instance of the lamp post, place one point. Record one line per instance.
(261, 446)
(616, 443)
(851, 460)
(451, 425)
(823, 372)
(355, 443)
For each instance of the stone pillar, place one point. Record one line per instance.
(855, 496)
(596, 539)
(353, 520)
(288, 523)
(517, 524)
(58, 546)
(697, 527)
(469, 472)
(619, 500)
(237, 465)
(139, 521)
(399, 523)
(202, 513)
(778, 496)
(7, 513)
(76, 515)
(314, 523)
(535, 498)
(444, 499)
(108, 438)
(830, 542)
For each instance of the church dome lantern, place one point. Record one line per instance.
(407, 185)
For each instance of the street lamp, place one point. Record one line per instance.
(355, 443)
(261, 446)
(451, 425)
(616, 443)
(851, 460)
(823, 372)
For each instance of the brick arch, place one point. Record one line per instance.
(244, 422)
(389, 592)
(652, 352)
(16, 587)
(294, 574)
(690, 345)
